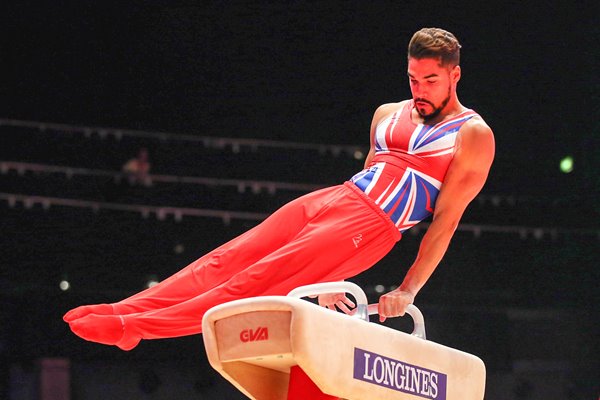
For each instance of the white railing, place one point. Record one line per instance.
(160, 212)
(234, 144)
(256, 186)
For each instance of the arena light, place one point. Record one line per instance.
(151, 280)
(566, 164)
(64, 285)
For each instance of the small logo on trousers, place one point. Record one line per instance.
(356, 240)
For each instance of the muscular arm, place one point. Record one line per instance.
(465, 178)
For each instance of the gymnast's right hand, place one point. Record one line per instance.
(394, 303)
(339, 300)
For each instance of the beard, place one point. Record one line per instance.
(435, 110)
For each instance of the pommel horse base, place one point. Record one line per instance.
(282, 347)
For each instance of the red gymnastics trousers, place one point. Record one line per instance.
(325, 236)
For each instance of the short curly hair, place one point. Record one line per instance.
(435, 43)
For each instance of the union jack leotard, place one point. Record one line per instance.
(410, 162)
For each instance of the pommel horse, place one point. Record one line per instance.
(283, 347)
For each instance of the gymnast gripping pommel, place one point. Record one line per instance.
(282, 347)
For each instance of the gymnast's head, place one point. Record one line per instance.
(435, 43)
(433, 71)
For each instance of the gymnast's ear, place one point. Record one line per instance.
(455, 74)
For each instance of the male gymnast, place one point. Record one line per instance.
(429, 155)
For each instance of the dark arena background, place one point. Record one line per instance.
(243, 106)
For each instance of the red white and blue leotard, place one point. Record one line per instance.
(409, 166)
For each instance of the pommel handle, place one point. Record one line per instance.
(363, 308)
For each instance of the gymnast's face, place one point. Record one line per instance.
(432, 85)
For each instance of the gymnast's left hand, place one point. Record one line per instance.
(339, 300)
(394, 303)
